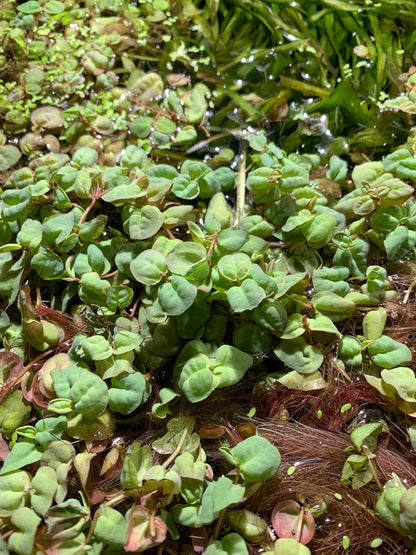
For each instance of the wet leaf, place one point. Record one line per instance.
(288, 519)
(9, 156)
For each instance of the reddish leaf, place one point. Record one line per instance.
(211, 430)
(38, 397)
(11, 366)
(26, 388)
(145, 530)
(4, 448)
(289, 520)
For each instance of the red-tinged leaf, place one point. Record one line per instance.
(88, 475)
(26, 388)
(38, 397)
(209, 473)
(145, 530)
(11, 366)
(286, 522)
(199, 538)
(111, 460)
(211, 430)
(4, 448)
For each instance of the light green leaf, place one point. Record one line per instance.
(148, 267)
(128, 392)
(145, 223)
(176, 296)
(256, 458)
(245, 297)
(300, 356)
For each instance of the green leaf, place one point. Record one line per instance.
(235, 267)
(133, 157)
(137, 462)
(399, 242)
(196, 379)
(111, 527)
(220, 211)
(126, 341)
(88, 231)
(176, 296)
(323, 329)
(87, 390)
(44, 485)
(230, 544)
(251, 339)
(366, 436)
(230, 365)
(231, 240)
(353, 256)
(9, 155)
(50, 429)
(30, 234)
(349, 351)
(128, 392)
(85, 156)
(290, 546)
(337, 169)
(388, 353)
(141, 127)
(190, 324)
(332, 305)
(178, 215)
(13, 412)
(184, 188)
(161, 410)
(320, 230)
(217, 496)
(123, 193)
(403, 380)
(96, 347)
(145, 223)
(374, 322)
(294, 176)
(408, 512)
(148, 267)
(331, 279)
(54, 7)
(388, 503)
(184, 257)
(299, 355)
(185, 136)
(245, 297)
(367, 173)
(14, 488)
(271, 315)
(256, 458)
(174, 438)
(23, 453)
(26, 521)
(66, 519)
(47, 264)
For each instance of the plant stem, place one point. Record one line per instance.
(241, 183)
(218, 526)
(300, 525)
(411, 287)
(92, 527)
(176, 451)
